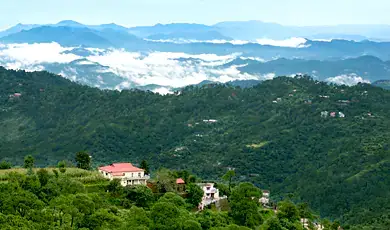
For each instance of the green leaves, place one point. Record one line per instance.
(83, 160)
(29, 162)
(195, 194)
(244, 203)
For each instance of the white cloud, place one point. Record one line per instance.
(164, 68)
(351, 79)
(253, 59)
(30, 56)
(186, 41)
(163, 91)
(38, 53)
(85, 63)
(161, 68)
(294, 42)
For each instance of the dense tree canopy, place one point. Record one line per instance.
(323, 144)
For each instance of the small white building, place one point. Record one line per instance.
(210, 121)
(127, 173)
(264, 200)
(210, 194)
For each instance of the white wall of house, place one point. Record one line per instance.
(127, 178)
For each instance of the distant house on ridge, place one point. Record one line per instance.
(127, 173)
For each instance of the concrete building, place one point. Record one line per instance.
(210, 194)
(264, 200)
(127, 173)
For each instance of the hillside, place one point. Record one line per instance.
(368, 67)
(272, 134)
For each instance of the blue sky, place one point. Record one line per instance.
(149, 12)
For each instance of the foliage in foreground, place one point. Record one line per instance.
(41, 200)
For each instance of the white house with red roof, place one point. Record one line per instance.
(127, 173)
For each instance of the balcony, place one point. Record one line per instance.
(135, 177)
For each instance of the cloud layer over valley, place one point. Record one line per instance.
(163, 71)
(135, 68)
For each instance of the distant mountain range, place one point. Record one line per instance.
(174, 55)
(239, 30)
(109, 37)
(367, 67)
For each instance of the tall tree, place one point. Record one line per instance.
(29, 162)
(165, 216)
(166, 182)
(229, 177)
(43, 176)
(145, 166)
(62, 166)
(83, 160)
(244, 203)
(195, 194)
(141, 195)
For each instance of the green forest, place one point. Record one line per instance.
(65, 198)
(304, 140)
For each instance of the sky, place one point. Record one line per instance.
(149, 12)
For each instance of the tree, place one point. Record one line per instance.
(195, 194)
(145, 166)
(55, 171)
(21, 203)
(29, 162)
(165, 216)
(191, 225)
(136, 217)
(244, 203)
(166, 182)
(101, 219)
(62, 166)
(173, 198)
(115, 187)
(273, 224)
(43, 176)
(141, 195)
(5, 165)
(287, 210)
(83, 160)
(62, 206)
(229, 177)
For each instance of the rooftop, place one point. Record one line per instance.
(180, 181)
(120, 167)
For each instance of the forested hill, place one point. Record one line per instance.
(276, 135)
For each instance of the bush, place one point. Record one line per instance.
(5, 165)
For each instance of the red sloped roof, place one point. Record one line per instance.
(180, 181)
(120, 167)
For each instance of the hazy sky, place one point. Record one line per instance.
(149, 12)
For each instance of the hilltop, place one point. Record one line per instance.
(280, 135)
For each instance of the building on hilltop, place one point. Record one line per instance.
(264, 200)
(210, 194)
(127, 173)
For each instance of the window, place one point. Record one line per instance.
(106, 174)
(139, 174)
